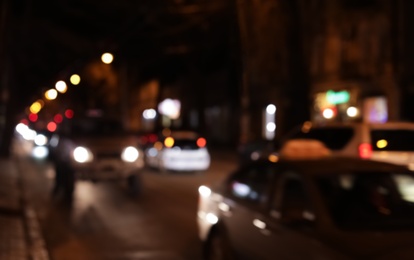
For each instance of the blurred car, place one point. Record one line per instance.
(391, 142)
(41, 144)
(309, 204)
(103, 150)
(179, 151)
(255, 149)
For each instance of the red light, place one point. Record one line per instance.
(51, 126)
(153, 138)
(69, 113)
(201, 142)
(33, 117)
(58, 118)
(24, 121)
(365, 150)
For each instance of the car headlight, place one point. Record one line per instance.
(130, 154)
(40, 140)
(82, 155)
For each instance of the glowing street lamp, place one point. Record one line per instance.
(35, 107)
(107, 58)
(61, 86)
(51, 94)
(75, 79)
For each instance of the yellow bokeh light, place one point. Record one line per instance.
(35, 107)
(51, 94)
(75, 79)
(61, 86)
(107, 58)
(382, 143)
(169, 142)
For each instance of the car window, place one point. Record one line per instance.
(252, 183)
(97, 127)
(392, 140)
(291, 200)
(375, 200)
(335, 138)
(186, 144)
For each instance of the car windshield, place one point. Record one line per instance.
(375, 200)
(97, 127)
(186, 144)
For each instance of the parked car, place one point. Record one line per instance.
(179, 151)
(102, 150)
(320, 207)
(391, 142)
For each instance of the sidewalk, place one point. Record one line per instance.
(20, 234)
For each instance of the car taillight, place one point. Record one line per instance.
(365, 150)
(201, 142)
(153, 138)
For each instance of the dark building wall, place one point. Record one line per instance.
(293, 49)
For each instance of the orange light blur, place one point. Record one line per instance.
(158, 145)
(201, 142)
(166, 132)
(169, 142)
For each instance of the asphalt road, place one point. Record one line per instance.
(104, 222)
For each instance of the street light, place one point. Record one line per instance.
(61, 86)
(51, 94)
(107, 58)
(75, 79)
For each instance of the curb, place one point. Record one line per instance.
(36, 243)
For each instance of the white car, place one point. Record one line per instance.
(101, 150)
(180, 151)
(309, 204)
(390, 142)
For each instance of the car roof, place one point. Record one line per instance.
(337, 164)
(184, 135)
(386, 125)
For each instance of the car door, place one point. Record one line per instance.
(292, 220)
(247, 194)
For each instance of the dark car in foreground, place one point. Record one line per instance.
(321, 207)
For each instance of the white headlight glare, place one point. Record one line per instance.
(40, 152)
(82, 155)
(40, 140)
(130, 154)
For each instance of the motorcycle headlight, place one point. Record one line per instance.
(130, 154)
(82, 155)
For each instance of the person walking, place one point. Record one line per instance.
(61, 157)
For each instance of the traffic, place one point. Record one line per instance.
(315, 197)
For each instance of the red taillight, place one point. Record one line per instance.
(365, 150)
(153, 138)
(201, 142)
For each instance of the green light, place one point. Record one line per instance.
(339, 97)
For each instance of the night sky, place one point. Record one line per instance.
(164, 39)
